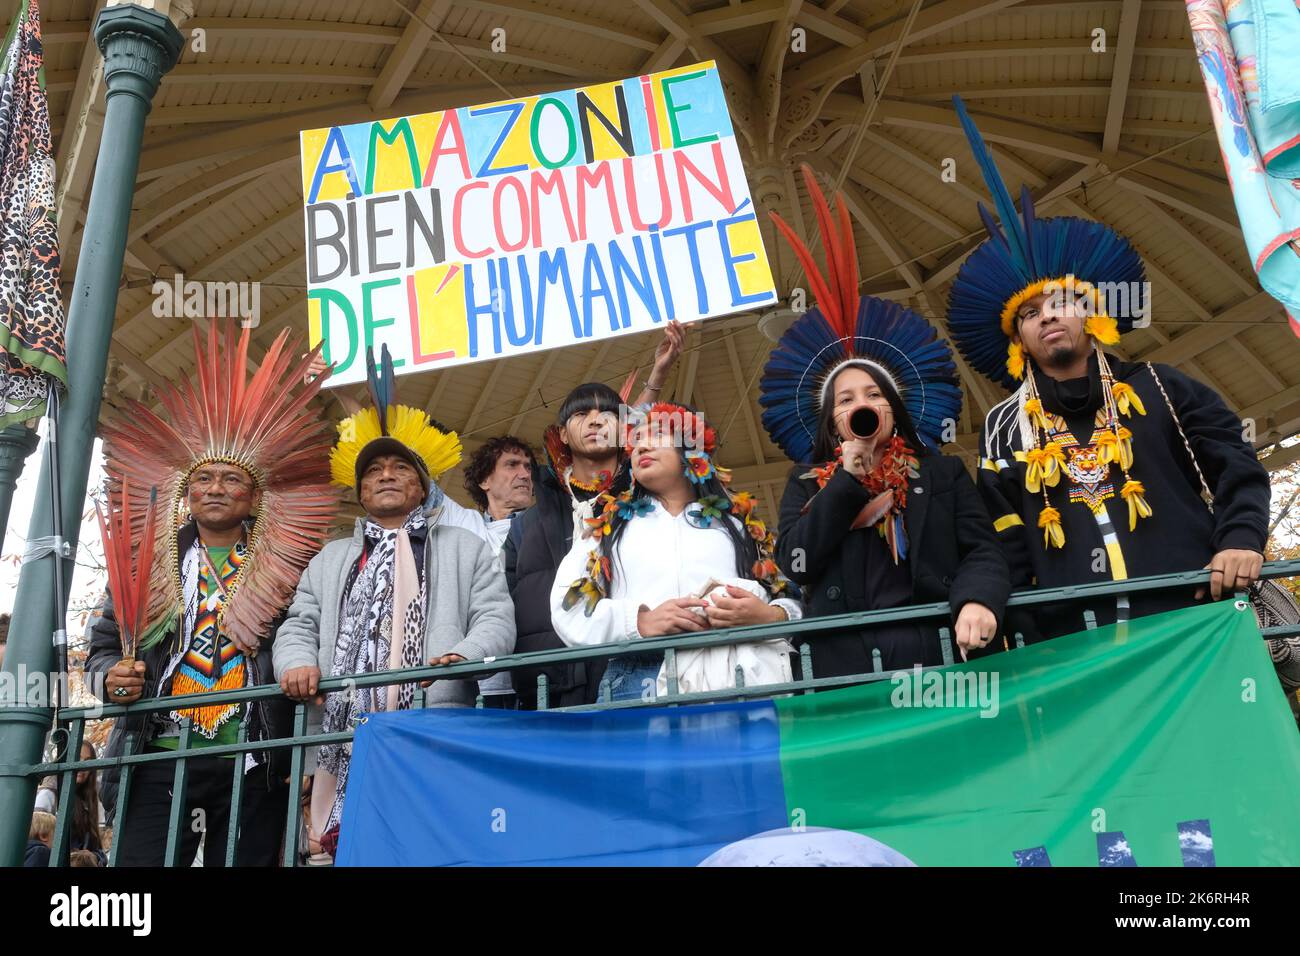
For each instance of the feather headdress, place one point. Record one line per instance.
(260, 423)
(1026, 256)
(846, 328)
(388, 426)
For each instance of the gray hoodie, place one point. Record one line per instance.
(469, 611)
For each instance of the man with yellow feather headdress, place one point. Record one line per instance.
(403, 590)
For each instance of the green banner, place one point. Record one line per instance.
(1163, 742)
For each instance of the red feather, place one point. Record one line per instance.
(836, 292)
(128, 570)
(821, 293)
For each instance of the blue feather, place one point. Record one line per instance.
(1015, 236)
(1027, 214)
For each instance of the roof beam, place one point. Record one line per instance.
(1199, 206)
(671, 18)
(881, 233)
(564, 64)
(1221, 327)
(181, 154)
(738, 16)
(407, 53)
(246, 169)
(276, 29)
(827, 24)
(1043, 195)
(488, 391)
(1120, 74)
(905, 199)
(263, 275)
(64, 31)
(746, 406)
(201, 269)
(211, 113)
(768, 80)
(1191, 240)
(208, 73)
(525, 403)
(840, 64)
(78, 146)
(549, 15)
(664, 55)
(918, 159)
(1191, 192)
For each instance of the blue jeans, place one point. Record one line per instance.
(633, 676)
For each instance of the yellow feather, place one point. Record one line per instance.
(410, 426)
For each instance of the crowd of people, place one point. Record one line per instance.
(628, 526)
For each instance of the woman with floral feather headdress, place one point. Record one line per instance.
(677, 553)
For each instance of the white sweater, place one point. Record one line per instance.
(658, 557)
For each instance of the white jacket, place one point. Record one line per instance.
(662, 556)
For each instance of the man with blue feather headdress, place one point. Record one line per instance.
(1095, 468)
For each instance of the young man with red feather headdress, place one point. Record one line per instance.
(234, 477)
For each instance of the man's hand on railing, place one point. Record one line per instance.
(976, 625)
(442, 662)
(1230, 571)
(125, 682)
(300, 684)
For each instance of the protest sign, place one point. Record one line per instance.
(550, 220)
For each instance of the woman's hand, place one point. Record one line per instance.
(976, 627)
(856, 456)
(739, 608)
(674, 616)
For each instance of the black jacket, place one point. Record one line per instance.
(267, 719)
(539, 539)
(36, 854)
(1180, 535)
(953, 556)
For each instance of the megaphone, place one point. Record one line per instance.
(863, 422)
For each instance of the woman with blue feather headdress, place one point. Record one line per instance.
(860, 393)
(1095, 468)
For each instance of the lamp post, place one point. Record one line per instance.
(16, 443)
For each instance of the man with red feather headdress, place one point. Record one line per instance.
(234, 479)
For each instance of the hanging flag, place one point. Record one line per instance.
(1246, 49)
(1163, 742)
(31, 305)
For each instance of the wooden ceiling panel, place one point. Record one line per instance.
(1030, 63)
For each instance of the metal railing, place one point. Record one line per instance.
(74, 719)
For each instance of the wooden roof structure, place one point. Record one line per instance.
(1121, 135)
